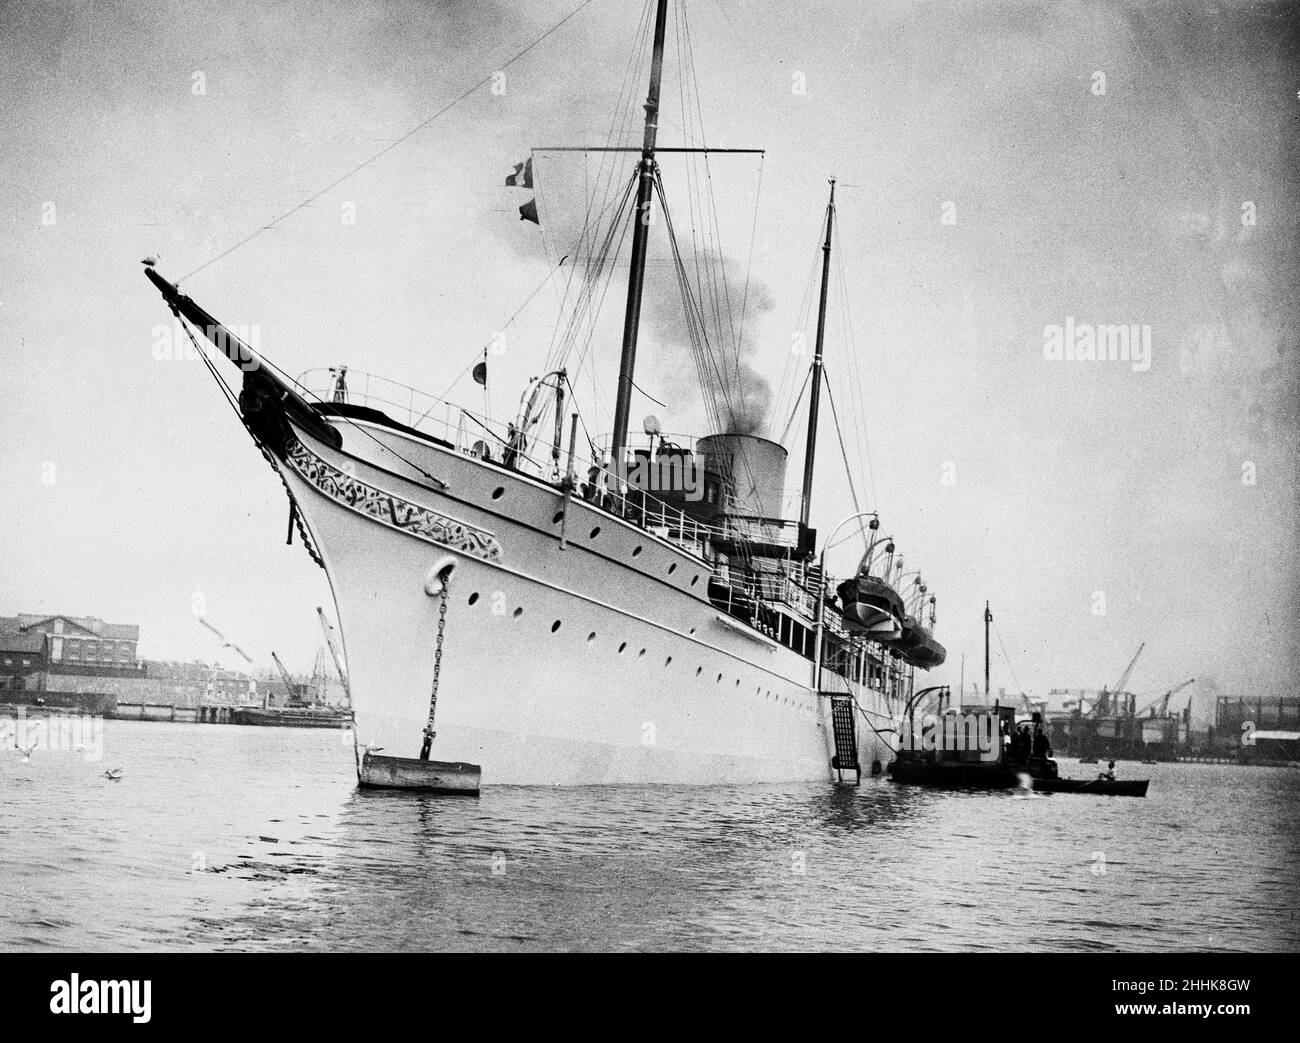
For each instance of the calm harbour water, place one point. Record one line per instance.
(226, 838)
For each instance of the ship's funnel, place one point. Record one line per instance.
(753, 471)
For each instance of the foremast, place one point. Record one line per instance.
(640, 233)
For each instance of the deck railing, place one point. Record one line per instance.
(790, 585)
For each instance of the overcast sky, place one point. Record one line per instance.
(133, 494)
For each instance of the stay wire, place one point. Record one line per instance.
(392, 145)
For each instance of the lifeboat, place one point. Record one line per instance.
(912, 637)
(918, 647)
(928, 654)
(872, 607)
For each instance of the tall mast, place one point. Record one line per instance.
(814, 399)
(988, 618)
(640, 229)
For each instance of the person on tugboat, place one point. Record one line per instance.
(1042, 747)
(1038, 748)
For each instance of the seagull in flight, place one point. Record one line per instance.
(226, 642)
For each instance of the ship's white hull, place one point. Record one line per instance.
(603, 662)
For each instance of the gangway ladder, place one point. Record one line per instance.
(846, 739)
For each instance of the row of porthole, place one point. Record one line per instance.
(758, 690)
(591, 641)
(636, 551)
(499, 491)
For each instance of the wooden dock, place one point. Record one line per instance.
(219, 713)
(1208, 760)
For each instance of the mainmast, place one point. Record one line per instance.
(640, 230)
(814, 399)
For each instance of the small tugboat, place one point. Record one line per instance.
(952, 756)
(298, 713)
(985, 747)
(292, 717)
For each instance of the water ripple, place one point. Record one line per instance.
(250, 840)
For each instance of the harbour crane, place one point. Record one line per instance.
(289, 683)
(328, 631)
(1163, 700)
(1128, 671)
(1108, 701)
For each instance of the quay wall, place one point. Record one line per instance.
(127, 689)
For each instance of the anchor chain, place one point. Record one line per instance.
(429, 732)
(295, 514)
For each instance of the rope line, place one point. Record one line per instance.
(389, 147)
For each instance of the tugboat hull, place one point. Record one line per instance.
(1041, 778)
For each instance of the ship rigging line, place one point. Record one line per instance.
(587, 254)
(233, 401)
(794, 410)
(692, 117)
(599, 266)
(308, 393)
(391, 145)
(621, 119)
(226, 393)
(882, 732)
(848, 471)
(700, 337)
(688, 48)
(294, 516)
(1019, 690)
(483, 347)
(791, 364)
(708, 255)
(696, 324)
(855, 374)
(596, 279)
